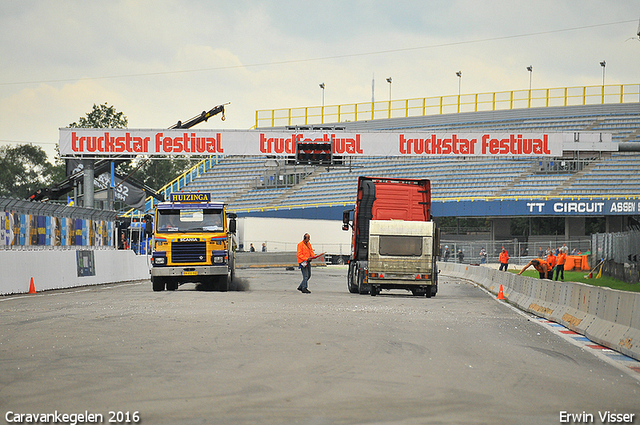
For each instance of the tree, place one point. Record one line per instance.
(23, 169)
(102, 116)
(156, 172)
(160, 171)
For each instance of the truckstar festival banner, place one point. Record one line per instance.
(107, 142)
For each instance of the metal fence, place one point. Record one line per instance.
(520, 253)
(54, 209)
(620, 252)
(621, 247)
(45, 225)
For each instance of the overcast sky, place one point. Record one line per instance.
(166, 60)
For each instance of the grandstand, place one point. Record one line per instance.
(248, 185)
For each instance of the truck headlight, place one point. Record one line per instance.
(218, 259)
(159, 261)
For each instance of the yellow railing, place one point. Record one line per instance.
(515, 99)
(175, 185)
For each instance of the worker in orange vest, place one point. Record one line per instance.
(539, 264)
(504, 260)
(305, 255)
(561, 259)
(551, 262)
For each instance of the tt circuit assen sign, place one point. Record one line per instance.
(557, 207)
(107, 142)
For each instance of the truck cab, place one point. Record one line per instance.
(394, 240)
(193, 242)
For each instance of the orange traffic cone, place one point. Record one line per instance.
(32, 287)
(500, 293)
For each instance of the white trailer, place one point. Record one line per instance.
(402, 256)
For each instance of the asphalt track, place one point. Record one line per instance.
(267, 354)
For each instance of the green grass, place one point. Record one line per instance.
(606, 281)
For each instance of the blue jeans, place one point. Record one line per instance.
(306, 275)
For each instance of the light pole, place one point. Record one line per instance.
(459, 74)
(530, 69)
(603, 64)
(322, 109)
(389, 81)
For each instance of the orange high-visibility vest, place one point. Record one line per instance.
(503, 257)
(304, 251)
(562, 258)
(543, 267)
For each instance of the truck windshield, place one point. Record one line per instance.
(405, 246)
(191, 220)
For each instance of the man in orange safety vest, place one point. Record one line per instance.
(304, 256)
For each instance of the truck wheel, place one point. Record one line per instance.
(157, 283)
(434, 290)
(363, 288)
(222, 284)
(352, 284)
(232, 267)
(172, 285)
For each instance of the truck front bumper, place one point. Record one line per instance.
(177, 271)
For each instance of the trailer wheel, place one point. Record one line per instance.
(157, 283)
(374, 291)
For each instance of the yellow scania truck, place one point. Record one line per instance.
(193, 242)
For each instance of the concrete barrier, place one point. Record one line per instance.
(606, 316)
(57, 269)
(271, 259)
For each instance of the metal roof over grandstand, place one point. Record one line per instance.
(576, 184)
(622, 120)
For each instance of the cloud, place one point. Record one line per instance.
(167, 60)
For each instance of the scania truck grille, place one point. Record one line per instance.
(189, 252)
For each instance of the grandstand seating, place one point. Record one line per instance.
(618, 175)
(237, 180)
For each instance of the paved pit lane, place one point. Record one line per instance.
(269, 354)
